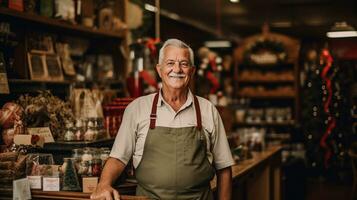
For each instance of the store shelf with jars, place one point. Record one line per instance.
(266, 86)
(62, 63)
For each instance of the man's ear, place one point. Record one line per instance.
(193, 71)
(158, 69)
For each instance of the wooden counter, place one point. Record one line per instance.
(126, 190)
(258, 178)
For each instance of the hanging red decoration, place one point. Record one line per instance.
(326, 59)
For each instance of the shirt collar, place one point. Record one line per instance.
(188, 102)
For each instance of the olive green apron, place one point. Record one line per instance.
(174, 163)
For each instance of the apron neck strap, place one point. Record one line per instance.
(154, 109)
(198, 113)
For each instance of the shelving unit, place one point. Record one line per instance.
(23, 24)
(27, 18)
(267, 88)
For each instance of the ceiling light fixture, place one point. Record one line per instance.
(218, 44)
(281, 24)
(341, 30)
(234, 1)
(150, 8)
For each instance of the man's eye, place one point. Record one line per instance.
(170, 64)
(184, 64)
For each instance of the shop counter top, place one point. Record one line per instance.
(126, 190)
(240, 172)
(245, 168)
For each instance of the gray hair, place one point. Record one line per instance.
(175, 43)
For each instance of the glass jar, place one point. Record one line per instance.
(79, 130)
(83, 168)
(69, 135)
(89, 135)
(87, 155)
(70, 180)
(96, 167)
(77, 156)
(104, 155)
(95, 153)
(90, 169)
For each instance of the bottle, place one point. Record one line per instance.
(104, 155)
(69, 134)
(90, 133)
(96, 167)
(79, 130)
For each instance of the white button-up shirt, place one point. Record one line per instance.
(131, 136)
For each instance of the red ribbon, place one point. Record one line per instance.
(151, 44)
(326, 57)
(214, 81)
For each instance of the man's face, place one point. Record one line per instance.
(175, 69)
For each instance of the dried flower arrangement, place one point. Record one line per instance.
(44, 110)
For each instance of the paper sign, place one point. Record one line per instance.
(89, 184)
(51, 184)
(21, 189)
(35, 182)
(26, 140)
(42, 131)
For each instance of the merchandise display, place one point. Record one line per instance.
(74, 73)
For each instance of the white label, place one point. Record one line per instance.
(35, 182)
(51, 184)
(89, 184)
(21, 189)
(42, 131)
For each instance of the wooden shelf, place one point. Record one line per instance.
(64, 82)
(64, 145)
(259, 96)
(269, 64)
(59, 24)
(27, 81)
(265, 81)
(265, 123)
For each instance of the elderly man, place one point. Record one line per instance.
(177, 140)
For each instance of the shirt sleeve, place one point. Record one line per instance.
(124, 143)
(222, 155)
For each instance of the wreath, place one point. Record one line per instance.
(265, 52)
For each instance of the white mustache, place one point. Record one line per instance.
(175, 75)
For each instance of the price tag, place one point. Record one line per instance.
(42, 131)
(35, 182)
(89, 184)
(51, 184)
(26, 140)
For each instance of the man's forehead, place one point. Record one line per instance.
(177, 51)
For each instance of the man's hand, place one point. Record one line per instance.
(105, 192)
(111, 171)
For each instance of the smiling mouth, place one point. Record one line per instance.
(174, 75)
(179, 77)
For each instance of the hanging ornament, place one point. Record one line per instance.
(326, 59)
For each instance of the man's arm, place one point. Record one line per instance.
(224, 183)
(112, 170)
